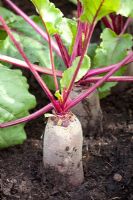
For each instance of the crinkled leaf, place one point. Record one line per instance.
(68, 74)
(33, 44)
(112, 49)
(98, 9)
(49, 13)
(15, 102)
(126, 8)
(22, 27)
(35, 51)
(7, 15)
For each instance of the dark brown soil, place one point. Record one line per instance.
(108, 161)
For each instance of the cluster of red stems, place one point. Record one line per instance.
(117, 24)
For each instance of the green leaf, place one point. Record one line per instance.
(105, 90)
(35, 50)
(126, 8)
(59, 96)
(12, 136)
(15, 101)
(68, 74)
(49, 13)
(49, 81)
(33, 44)
(112, 49)
(98, 9)
(7, 15)
(20, 27)
(68, 30)
(91, 51)
(55, 22)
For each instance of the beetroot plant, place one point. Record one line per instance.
(68, 60)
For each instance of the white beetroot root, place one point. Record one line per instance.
(62, 148)
(88, 112)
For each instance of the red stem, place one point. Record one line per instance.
(107, 23)
(77, 47)
(119, 21)
(29, 117)
(35, 73)
(63, 50)
(115, 27)
(51, 57)
(79, 12)
(76, 43)
(23, 64)
(79, 9)
(111, 79)
(102, 70)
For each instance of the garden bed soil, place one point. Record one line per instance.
(108, 160)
